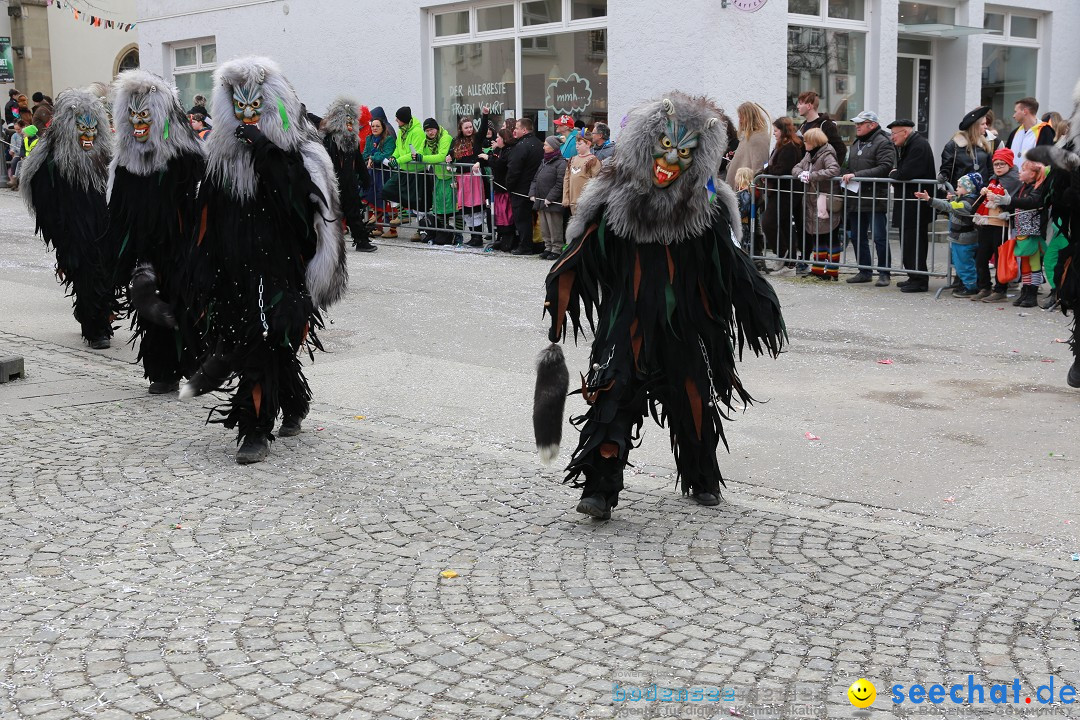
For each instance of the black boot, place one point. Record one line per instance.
(601, 492)
(1051, 301)
(1074, 374)
(290, 426)
(1029, 296)
(255, 448)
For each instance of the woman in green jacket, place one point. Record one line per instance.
(378, 149)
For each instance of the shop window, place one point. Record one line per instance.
(568, 81)
(1024, 27)
(483, 77)
(847, 9)
(541, 12)
(919, 13)
(193, 68)
(832, 63)
(805, 7)
(587, 9)
(1008, 74)
(453, 23)
(500, 17)
(994, 22)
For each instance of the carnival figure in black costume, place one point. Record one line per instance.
(155, 172)
(269, 253)
(63, 183)
(655, 264)
(1064, 198)
(343, 145)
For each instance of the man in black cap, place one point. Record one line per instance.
(915, 161)
(871, 156)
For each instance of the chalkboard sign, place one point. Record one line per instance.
(922, 112)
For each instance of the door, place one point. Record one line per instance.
(913, 91)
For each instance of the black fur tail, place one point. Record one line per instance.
(549, 401)
(214, 372)
(145, 300)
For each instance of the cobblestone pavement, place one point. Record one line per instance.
(144, 575)
(927, 535)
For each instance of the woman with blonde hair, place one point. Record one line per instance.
(753, 152)
(816, 171)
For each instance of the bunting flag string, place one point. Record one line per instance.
(92, 20)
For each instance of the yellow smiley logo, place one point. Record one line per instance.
(862, 693)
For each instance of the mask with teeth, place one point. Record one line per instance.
(673, 153)
(141, 118)
(86, 125)
(247, 103)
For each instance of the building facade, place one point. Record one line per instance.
(52, 50)
(931, 60)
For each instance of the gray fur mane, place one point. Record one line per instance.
(228, 161)
(60, 143)
(334, 123)
(635, 207)
(163, 101)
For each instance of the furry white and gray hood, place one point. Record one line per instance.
(635, 207)
(230, 163)
(170, 132)
(1065, 155)
(85, 169)
(341, 110)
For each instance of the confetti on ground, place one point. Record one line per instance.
(1076, 623)
(1060, 340)
(1047, 360)
(811, 436)
(1022, 314)
(359, 417)
(177, 526)
(1016, 351)
(319, 429)
(448, 574)
(1076, 556)
(950, 499)
(1068, 522)
(886, 361)
(734, 713)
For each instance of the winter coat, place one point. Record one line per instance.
(434, 152)
(377, 149)
(827, 126)
(959, 158)
(605, 151)
(753, 153)
(547, 183)
(823, 166)
(914, 161)
(579, 171)
(783, 159)
(410, 138)
(524, 159)
(1009, 183)
(873, 156)
(1029, 210)
(466, 151)
(499, 159)
(1044, 135)
(960, 212)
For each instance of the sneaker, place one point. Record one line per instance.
(996, 296)
(883, 281)
(366, 247)
(963, 292)
(862, 277)
(980, 295)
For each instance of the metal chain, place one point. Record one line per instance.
(597, 367)
(714, 399)
(262, 314)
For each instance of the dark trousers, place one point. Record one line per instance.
(914, 244)
(270, 383)
(990, 239)
(523, 220)
(861, 225)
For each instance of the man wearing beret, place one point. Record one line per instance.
(915, 161)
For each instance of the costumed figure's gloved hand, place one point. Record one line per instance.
(249, 134)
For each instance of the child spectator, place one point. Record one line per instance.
(991, 228)
(963, 240)
(15, 154)
(546, 192)
(744, 181)
(1028, 225)
(582, 168)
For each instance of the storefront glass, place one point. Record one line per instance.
(1008, 74)
(564, 74)
(467, 77)
(831, 62)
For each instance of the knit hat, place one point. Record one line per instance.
(30, 131)
(554, 141)
(404, 114)
(1005, 155)
(974, 179)
(431, 124)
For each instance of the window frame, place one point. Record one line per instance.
(199, 67)
(1006, 37)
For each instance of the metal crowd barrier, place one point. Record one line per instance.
(785, 232)
(436, 202)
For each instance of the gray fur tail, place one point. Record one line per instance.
(1054, 156)
(214, 372)
(145, 300)
(549, 402)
